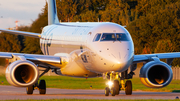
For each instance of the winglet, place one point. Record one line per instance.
(52, 13)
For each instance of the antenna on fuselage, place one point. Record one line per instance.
(52, 12)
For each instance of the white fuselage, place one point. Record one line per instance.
(89, 48)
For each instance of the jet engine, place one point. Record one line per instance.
(22, 73)
(156, 74)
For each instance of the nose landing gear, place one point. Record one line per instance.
(114, 86)
(112, 91)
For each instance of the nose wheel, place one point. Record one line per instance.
(115, 86)
(107, 91)
(112, 91)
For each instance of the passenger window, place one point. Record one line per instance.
(97, 37)
(122, 37)
(108, 37)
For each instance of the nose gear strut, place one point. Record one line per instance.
(117, 82)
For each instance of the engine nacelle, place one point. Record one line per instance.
(156, 74)
(22, 73)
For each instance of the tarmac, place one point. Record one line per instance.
(14, 93)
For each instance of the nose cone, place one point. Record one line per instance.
(117, 56)
(120, 58)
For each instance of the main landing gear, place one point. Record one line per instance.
(117, 83)
(41, 86)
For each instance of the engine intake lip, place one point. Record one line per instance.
(24, 73)
(156, 74)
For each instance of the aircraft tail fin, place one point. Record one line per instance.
(52, 12)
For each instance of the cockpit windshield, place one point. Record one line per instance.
(108, 37)
(121, 37)
(111, 37)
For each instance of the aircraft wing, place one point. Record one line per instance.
(147, 57)
(36, 35)
(45, 60)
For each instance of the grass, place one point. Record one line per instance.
(74, 83)
(65, 82)
(3, 80)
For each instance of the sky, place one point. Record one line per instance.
(25, 11)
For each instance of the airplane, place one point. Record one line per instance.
(86, 49)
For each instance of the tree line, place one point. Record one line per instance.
(153, 24)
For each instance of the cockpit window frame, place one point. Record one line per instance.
(95, 38)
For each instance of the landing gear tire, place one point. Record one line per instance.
(107, 91)
(42, 87)
(29, 90)
(116, 86)
(128, 87)
(113, 91)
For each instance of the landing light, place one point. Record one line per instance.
(110, 83)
